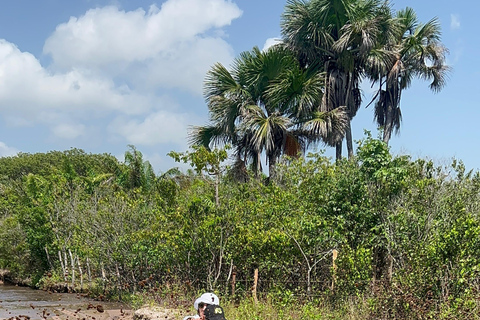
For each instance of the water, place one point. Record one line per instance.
(25, 303)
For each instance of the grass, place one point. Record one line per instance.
(283, 305)
(276, 310)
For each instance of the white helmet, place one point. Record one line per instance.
(208, 298)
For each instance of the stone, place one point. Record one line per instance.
(152, 313)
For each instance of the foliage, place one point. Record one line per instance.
(267, 104)
(406, 232)
(201, 159)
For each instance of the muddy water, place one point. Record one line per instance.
(25, 303)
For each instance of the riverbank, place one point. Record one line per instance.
(17, 302)
(93, 313)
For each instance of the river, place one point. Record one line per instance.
(25, 303)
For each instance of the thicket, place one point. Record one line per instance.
(407, 232)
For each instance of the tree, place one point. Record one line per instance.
(416, 52)
(204, 160)
(336, 36)
(140, 173)
(266, 104)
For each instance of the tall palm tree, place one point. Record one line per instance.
(336, 37)
(416, 52)
(266, 105)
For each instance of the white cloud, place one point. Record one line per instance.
(271, 42)
(28, 91)
(172, 46)
(69, 131)
(185, 69)
(6, 151)
(111, 72)
(158, 128)
(110, 78)
(454, 21)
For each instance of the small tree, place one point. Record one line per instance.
(140, 173)
(204, 160)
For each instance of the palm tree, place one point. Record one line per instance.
(415, 52)
(266, 105)
(336, 37)
(140, 173)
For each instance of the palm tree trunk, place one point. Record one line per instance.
(338, 151)
(348, 137)
(348, 131)
(272, 162)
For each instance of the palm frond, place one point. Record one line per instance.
(219, 81)
(328, 127)
(208, 135)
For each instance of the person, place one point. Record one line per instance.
(201, 303)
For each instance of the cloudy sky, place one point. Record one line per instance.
(100, 75)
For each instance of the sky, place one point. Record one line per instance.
(100, 75)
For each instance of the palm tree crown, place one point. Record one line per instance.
(416, 52)
(336, 37)
(267, 104)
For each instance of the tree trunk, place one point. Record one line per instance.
(48, 258)
(348, 137)
(64, 266)
(217, 182)
(338, 151)
(89, 274)
(348, 131)
(72, 263)
(81, 274)
(272, 162)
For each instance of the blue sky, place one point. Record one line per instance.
(100, 74)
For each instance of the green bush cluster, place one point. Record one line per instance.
(406, 231)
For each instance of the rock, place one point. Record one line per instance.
(152, 313)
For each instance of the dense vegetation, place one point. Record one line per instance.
(385, 236)
(407, 232)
